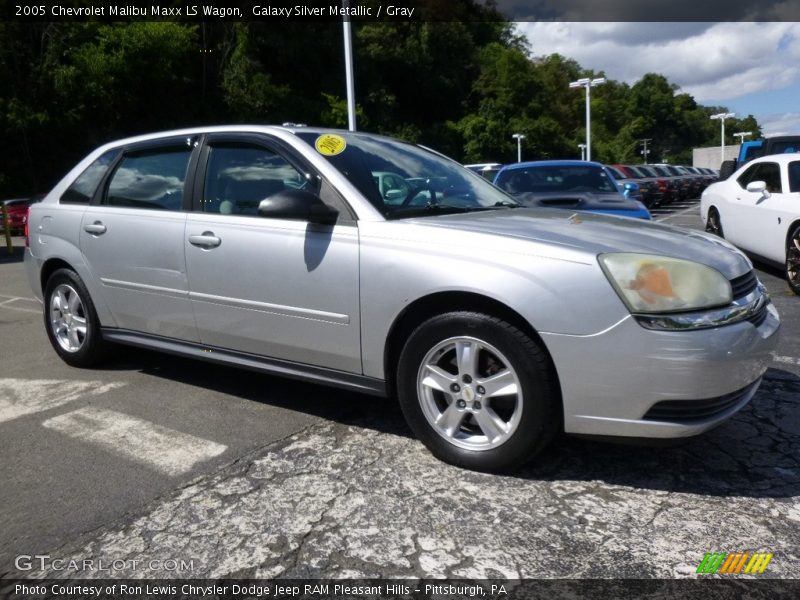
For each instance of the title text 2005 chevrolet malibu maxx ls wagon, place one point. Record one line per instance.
(276, 249)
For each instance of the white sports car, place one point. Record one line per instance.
(758, 209)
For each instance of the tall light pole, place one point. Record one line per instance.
(519, 137)
(722, 117)
(348, 65)
(741, 135)
(583, 151)
(588, 84)
(645, 151)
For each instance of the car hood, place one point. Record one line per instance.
(577, 200)
(594, 234)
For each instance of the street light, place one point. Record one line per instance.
(583, 151)
(645, 151)
(741, 135)
(722, 117)
(348, 65)
(519, 137)
(588, 84)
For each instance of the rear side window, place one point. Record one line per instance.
(84, 187)
(152, 179)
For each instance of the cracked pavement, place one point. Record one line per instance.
(363, 499)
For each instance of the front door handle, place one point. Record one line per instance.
(96, 228)
(207, 239)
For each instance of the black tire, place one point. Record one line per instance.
(793, 260)
(531, 414)
(714, 223)
(75, 332)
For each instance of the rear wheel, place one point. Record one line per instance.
(477, 391)
(793, 260)
(713, 223)
(70, 320)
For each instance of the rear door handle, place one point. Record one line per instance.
(207, 239)
(96, 228)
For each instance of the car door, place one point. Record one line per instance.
(132, 237)
(280, 288)
(756, 223)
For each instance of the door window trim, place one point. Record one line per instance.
(194, 142)
(324, 189)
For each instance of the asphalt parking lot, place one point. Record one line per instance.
(160, 467)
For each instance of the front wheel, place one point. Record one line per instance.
(70, 320)
(793, 260)
(477, 391)
(713, 223)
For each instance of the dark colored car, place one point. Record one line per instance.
(697, 182)
(652, 188)
(570, 184)
(17, 209)
(683, 183)
(667, 185)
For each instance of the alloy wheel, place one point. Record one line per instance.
(469, 393)
(68, 318)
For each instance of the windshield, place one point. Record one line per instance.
(403, 180)
(547, 178)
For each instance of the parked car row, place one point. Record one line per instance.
(661, 184)
(656, 184)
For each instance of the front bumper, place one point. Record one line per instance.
(612, 381)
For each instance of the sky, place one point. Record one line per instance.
(748, 67)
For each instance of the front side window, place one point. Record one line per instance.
(152, 179)
(768, 172)
(83, 188)
(240, 176)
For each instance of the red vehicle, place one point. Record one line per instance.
(17, 209)
(652, 192)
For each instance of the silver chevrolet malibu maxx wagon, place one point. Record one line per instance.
(381, 267)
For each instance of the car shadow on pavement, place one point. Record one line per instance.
(754, 454)
(330, 403)
(15, 255)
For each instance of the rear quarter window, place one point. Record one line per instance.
(84, 187)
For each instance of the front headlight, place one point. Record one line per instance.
(649, 283)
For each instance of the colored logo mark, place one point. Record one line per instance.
(734, 562)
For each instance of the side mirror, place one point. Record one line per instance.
(301, 205)
(758, 187)
(630, 188)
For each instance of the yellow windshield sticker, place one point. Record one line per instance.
(330, 145)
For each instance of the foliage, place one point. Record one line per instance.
(460, 81)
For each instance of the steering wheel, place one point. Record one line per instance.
(415, 190)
